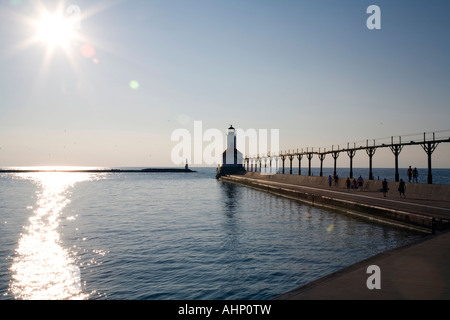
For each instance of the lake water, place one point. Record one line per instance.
(169, 236)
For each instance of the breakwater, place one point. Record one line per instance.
(426, 207)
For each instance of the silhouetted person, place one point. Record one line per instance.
(415, 174)
(360, 182)
(402, 188)
(354, 184)
(384, 186)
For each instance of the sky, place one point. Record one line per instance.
(112, 92)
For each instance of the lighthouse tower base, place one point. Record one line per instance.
(229, 169)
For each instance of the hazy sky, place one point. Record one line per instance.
(310, 68)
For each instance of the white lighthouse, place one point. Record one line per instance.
(231, 144)
(232, 158)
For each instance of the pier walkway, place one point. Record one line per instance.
(416, 271)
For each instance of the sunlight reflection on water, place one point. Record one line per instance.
(42, 268)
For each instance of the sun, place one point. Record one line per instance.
(55, 30)
(59, 28)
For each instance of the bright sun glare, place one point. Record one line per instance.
(58, 29)
(55, 30)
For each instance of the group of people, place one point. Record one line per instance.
(412, 173)
(335, 178)
(358, 183)
(401, 188)
(355, 184)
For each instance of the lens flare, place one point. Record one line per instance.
(134, 85)
(87, 51)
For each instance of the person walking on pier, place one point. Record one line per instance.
(409, 172)
(415, 174)
(354, 184)
(384, 185)
(402, 188)
(360, 182)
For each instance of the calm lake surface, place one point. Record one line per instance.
(164, 236)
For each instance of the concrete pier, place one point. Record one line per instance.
(413, 272)
(423, 202)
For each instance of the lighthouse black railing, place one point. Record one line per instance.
(428, 141)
